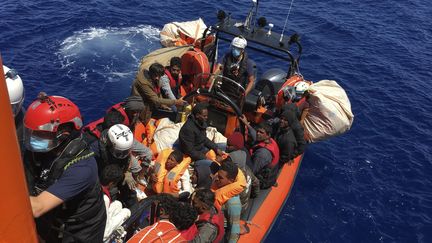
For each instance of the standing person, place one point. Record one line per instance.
(285, 138)
(298, 130)
(150, 91)
(114, 147)
(67, 200)
(171, 81)
(237, 66)
(16, 97)
(192, 137)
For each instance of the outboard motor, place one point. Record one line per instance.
(265, 89)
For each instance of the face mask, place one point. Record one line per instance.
(236, 52)
(39, 144)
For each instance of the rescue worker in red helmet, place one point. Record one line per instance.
(67, 199)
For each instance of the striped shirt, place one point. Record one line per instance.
(232, 210)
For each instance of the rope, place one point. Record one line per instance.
(78, 159)
(286, 20)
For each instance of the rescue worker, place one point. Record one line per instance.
(67, 199)
(16, 97)
(210, 221)
(237, 66)
(147, 86)
(171, 81)
(126, 113)
(114, 147)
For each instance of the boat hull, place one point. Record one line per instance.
(265, 209)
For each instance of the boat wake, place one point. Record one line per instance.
(107, 54)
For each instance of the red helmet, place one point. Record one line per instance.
(43, 118)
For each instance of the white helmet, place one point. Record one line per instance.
(15, 89)
(301, 87)
(239, 42)
(121, 138)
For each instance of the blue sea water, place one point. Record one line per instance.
(372, 184)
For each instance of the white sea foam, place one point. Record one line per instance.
(111, 52)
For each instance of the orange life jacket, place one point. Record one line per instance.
(161, 231)
(222, 195)
(92, 126)
(144, 133)
(272, 147)
(167, 180)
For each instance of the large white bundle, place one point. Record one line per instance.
(329, 112)
(170, 33)
(167, 132)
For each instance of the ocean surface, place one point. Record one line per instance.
(372, 184)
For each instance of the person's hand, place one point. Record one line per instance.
(153, 178)
(181, 102)
(130, 181)
(220, 152)
(165, 107)
(244, 119)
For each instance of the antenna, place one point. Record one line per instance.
(250, 18)
(286, 20)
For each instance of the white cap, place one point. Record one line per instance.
(121, 137)
(239, 42)
(15, 88)
(301, 87)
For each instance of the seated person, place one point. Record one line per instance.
(192, 137)
(231, 206)
(126, 113)
(184, 219)
(235, 145)
(171, 81)
(265, 157)
(202, 175)
(210, 221)
(237, 66)
(116, 214)
(171, 174)
(147, 86)
(169, 224)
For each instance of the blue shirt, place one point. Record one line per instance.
(232, 209)
(75, 179)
